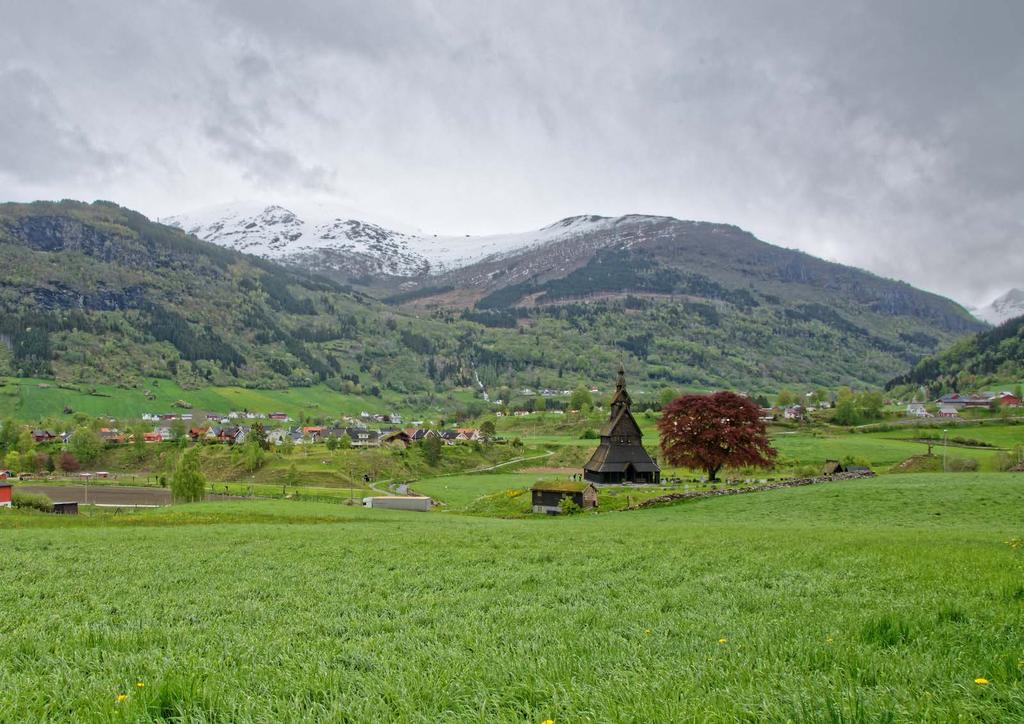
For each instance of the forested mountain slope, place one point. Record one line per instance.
(96, 292)
(996, 355)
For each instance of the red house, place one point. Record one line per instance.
(1008, 399)
(43, 436)
(5, 495)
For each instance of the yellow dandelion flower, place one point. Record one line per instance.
(647, 631)
(723, 641)
(140, 685)
(121, 698)
(828, 640)
(548, 721)
(981, 682)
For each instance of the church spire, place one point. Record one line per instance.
(621, 398)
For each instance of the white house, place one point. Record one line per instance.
(917, 409)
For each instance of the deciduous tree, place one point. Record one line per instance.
(785, 398)
(713, 431)
(253, 456)
(68, 463)
(581, 399)
(432, 449)
(85, 444)
(258, 434)
(188, 484)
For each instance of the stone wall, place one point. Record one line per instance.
(794, 483)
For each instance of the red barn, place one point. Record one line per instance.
(5, 495)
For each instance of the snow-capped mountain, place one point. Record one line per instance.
(347, 242)
(1007, 306)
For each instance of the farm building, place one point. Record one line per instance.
(5, 495)
(547, 497)
(399, 502)
(395, 438)
(833, 467)
(621, 457)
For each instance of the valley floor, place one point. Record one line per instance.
(899, 597)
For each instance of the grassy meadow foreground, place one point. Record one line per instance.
(877, 599)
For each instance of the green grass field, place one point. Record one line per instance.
(32, 399)
(879, 599)
(458, 491)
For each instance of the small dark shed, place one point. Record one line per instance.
(547, 497)
(66, 508)
(832, 467)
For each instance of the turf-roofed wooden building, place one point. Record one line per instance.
(621, 457)
(547, 497)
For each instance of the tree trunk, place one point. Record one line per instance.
(713, 474)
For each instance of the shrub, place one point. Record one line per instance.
(568, 506)
(589, 435)
(32, 501)
(1004, 461)
(961, 465)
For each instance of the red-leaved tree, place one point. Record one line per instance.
(68, 463)
(712, 431)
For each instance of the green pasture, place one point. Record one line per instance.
(1004, 435)
(458, 491)
(878, 450)
(877, 599)
(507, 494)
(35, 399)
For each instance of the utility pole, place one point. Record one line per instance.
(945, 446)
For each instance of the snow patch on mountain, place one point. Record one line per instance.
(1006, 307)
(323, 237)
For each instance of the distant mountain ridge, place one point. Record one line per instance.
(999, 310)
(347, 246)
(992, 356)
(555, 263)
(98, 293)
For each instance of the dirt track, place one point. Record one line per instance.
(101, 494)
(108, 494)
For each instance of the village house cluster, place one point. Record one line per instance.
(951, 405)
(229, 429)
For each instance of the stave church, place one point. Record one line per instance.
(621, 457)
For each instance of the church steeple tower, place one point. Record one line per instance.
(621, 398)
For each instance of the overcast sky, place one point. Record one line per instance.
(883, 134)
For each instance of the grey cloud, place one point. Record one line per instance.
(877, 133)
(40, 141)
(267, 164)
